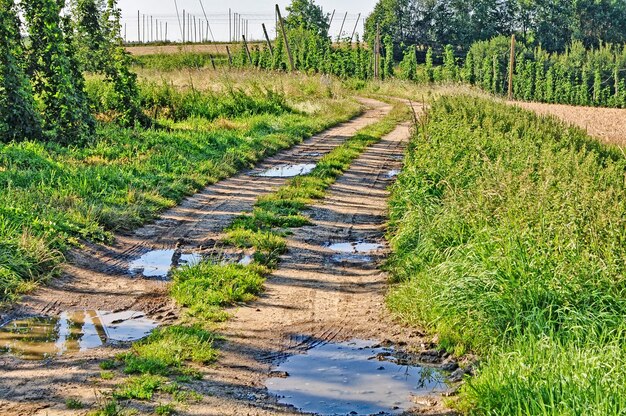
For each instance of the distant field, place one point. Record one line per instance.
(217, 48)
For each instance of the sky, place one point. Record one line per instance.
(162, 13)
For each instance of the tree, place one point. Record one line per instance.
(57, 84)
(307, 15)
(18, 117)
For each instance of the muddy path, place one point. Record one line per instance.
(318, 294)
(98, 277)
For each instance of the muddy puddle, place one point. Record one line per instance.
(356, 247)
(39, 338)
(288, 171)
(352, 378)
(393, 173)
(159, 263)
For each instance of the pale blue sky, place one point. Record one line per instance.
(255, 11)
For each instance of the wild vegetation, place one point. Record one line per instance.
(508, 233)
(54, 196)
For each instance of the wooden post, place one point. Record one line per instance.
(138, 27)
(166, 31)
(267, 38)
(511, 65)
(355, 25)
(377, 53)
(245, 44)
(184, 22)
(178, 18)
(143, 18)
(332, 16)
(282, 28)
(212, 61)
(230, 30)
(230, 58)
(151, 28)
(342, 23)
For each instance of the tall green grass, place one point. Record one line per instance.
(54, 196)
(509, 238)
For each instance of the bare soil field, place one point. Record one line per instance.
(606, 124)
(214, 48)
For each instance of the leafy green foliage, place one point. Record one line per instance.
(56, 81)
(19, 119)
(305, 14)
(508, 239)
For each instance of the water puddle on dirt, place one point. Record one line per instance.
(393, 173)
(356, 247)
(158, 263)
(288, 171)
(352, 378)
(39, 338)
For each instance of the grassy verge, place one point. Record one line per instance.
(53, 196)
(509, 240)
(160, 362)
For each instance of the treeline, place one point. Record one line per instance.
(578, 76)
(42, 86)
(553, 24)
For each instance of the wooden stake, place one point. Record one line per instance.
(184, 22)
(230, 57)
(267, 38)
(355, 25)
(230, 31)
(245, 44)
(377, 53)
(342, 23)
(332, 16)
(138, 27)
(282, 28)
(511, 65)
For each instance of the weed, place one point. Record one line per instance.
(507, 231)
(165, 409)
(73, 404)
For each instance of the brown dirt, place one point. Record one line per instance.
(606, 124)
(97, 277)
(217, 48)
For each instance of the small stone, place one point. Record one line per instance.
(451, 366)
(380, 368)
(278, 374)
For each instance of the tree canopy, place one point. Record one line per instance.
(553, 24)
(307, 15)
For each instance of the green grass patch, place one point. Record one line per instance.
(74, 404)
(53, 197)
(141, 387)
(509, 236)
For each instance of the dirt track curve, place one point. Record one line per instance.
(312, 297)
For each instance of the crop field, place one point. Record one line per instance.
(408, 220)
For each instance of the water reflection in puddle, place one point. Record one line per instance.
(356, 247)
(158, 263)
(393, 173)
(288, 171)
(42, 337)
(350, 378)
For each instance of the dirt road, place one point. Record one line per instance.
(317, 295)
(98, 277)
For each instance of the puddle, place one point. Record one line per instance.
(312, 154)
(351, 258)
(288, 171)
(158, 263)
(397, 157)
(245, 260)
(351, 378)
(43, 337)
(393, 173)
(357, 247)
